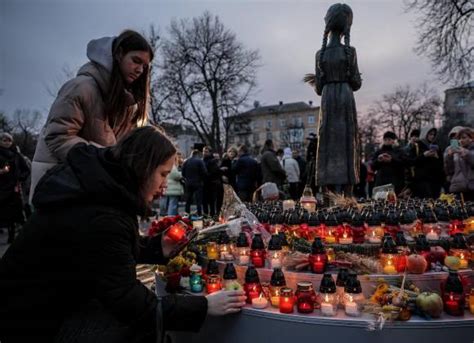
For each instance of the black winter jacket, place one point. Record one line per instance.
(390, 172)
(82, 244)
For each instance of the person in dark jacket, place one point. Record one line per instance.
(228, 160)
(194, 173)
(428, 166)
(389, 164)
(13, 170)
(272, 170)
(71, 274)
(212, 183)
(246, 171)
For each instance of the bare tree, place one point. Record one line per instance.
(26, 125)
(406, 109)
(445, 36)
(368, 134)
(206, 75)
(67, 73)
(4, 123)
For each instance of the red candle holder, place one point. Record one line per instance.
(392, 230)
(252, 291)
(305, 297)
(456, 226)
(177, 231)
(287, 300)
(358, 234)
(258, 258)
(318, 262)
(345, 235)
(213, 284)
(454, 304)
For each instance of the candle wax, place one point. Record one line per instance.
(351, 309)
(327, 309)
(259, 303)
(330, 239)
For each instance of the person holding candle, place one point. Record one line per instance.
(86, 221)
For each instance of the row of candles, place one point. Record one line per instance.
(344, 293)
(393, 257)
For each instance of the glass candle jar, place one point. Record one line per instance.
(318, 258)
(230, 276)
(331, 254)
(213, 283)
(177, 231)
(358, 229)
(288, 205)
(242, 250)
(287, 300)
(257, 253)
(345, 237)
(252, 286)
(453, 294)
(274, 254)
(423, 248)
(212, 251)
(388, 257)
(305, 297)
(460, 249)
(471, 301)
(342, 276)
(224, 246)
(328, 295)
(353, 297)
(195, 279)
(277, 282)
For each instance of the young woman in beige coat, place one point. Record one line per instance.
(105, 101)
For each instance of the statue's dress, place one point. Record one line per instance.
(338, 152)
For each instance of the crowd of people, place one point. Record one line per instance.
(421, 169)
(70, 275)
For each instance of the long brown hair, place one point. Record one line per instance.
(141, 152)
(116, 109)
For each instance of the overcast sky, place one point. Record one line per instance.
(41, 37)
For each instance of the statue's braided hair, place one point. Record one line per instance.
(338, 18)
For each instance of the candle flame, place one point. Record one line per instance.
(350, 298)
(261, 296)
(451, 296)
(276, 231)
(318, 258)
(389, 262)
(275, 255)
(344, 235)
(462, 256)
(373, 233)
(326, 298)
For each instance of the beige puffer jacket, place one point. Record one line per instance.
(78, 113)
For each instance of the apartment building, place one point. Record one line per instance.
(288, 125)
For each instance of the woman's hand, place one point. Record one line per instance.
(225, 302)
(167, 245)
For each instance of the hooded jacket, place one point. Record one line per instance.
(82, 245)
(460, 170)
(427, 169)
(291, 166)
(78, 113)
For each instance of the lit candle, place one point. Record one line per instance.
(327, 309)
(213, 284)
(351, 307)
(176, 232)
(432, 236)
(288, 205)
(374, 238)
(464, 263)
(212, 251)
(318, 265)
(287, 301)
(330, 239)
(225, 253)
(345, 239)
(260, 302)
(275, 296)
(452, 305)
(243, 258)
(275, 261)
(471, 301)
(389, 268)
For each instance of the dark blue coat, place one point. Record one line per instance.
(194, 171)
(246, 172)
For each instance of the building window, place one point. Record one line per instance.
(269, 124)
(269, 135)
(282, 122)
(310, 119)
(461, 102)
(299, 121)
(255, 124)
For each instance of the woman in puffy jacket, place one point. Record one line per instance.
(459, 165)
(105, 101)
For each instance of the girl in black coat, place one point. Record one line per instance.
(71, 274)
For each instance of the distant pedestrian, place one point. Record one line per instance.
(228, 159)
(194, 173)
(212, 182)
(174, 190)
(389, 163)
(272, 170)
(303, 172)
(292, 170)
(459, 165)
(246, 171)
(13, 170)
